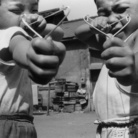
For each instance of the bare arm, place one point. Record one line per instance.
(41, 57)
(18, 48)
(85, 34)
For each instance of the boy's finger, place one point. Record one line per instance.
(113, 42)
(34, 16)
(43, 46)
(45, 61)
(117, 63)
(38, 20)
(41, 25)
(60, 51)
(40, 75)
(113, 52)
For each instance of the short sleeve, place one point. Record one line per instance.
(5, 37)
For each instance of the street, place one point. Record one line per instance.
(65, 125)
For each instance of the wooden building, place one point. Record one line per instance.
(82, 63)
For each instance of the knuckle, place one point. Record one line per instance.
(127, 72)
(36, 41)
(40, 59)
(38, 73)
(111, 61)
(111, 50)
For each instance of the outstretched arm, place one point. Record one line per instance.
(89, 35)
(41, 57)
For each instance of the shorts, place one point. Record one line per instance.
(17, 126)
(118, 130)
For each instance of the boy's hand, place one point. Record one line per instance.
(87, 33)
(100, 23)
(120, 60)
(44, 58)
(37, 22)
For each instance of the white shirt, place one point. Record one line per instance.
(114, 102)
(15, 85)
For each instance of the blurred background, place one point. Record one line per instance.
(72, 88)
(79, 8)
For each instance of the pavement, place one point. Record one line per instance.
(65, 125)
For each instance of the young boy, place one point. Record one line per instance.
(116, 91)
(20, 57)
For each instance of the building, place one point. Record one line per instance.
(82, 63)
